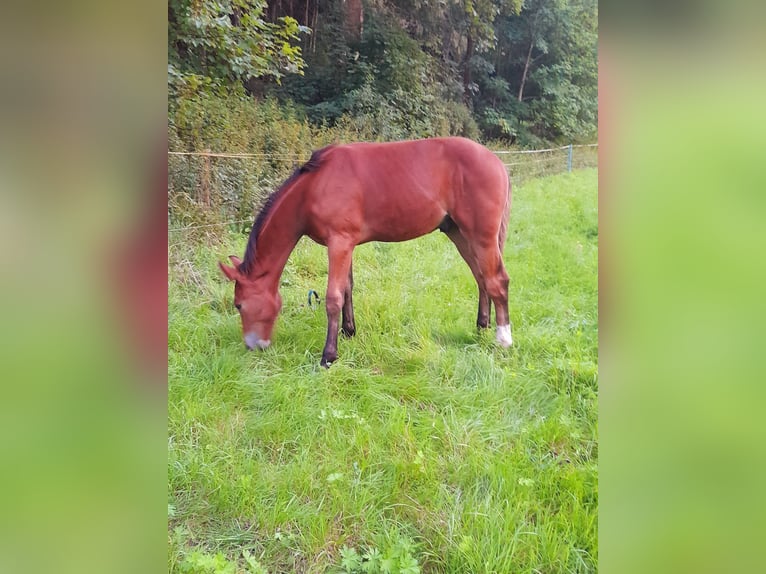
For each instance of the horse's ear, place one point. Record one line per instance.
(235, 260)
(232, 273)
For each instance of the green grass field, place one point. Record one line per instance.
(426, 447)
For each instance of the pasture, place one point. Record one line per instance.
(425, 447)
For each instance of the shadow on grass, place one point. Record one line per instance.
(456, 337)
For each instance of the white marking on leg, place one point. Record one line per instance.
(503, 336)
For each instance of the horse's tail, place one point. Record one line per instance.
(504, 221)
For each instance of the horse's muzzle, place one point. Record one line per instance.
(252, 341)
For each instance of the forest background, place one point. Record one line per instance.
(523, 72)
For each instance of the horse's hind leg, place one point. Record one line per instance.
(348, 325)
(482, 318)
(490, 263)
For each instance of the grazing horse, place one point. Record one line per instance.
(350, 194)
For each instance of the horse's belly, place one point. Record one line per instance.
(402, 224)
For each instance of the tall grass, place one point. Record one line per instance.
(425, 439)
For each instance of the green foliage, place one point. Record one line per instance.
(225, 42)
(525, 73)
(382, 87)
(496, 126)
(556, 42)
(396, 559)
(253, 566)
(402, 115)
(199, 562)
(350, 560)
(203, 190)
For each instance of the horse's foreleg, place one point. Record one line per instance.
(482, 318)
(340, 264)
(349, 325)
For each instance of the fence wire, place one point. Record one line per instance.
(210, 191)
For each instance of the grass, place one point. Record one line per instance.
(425, 444)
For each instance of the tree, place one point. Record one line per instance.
(566, 96)
(479, 31)
(542, 85)
(525, 70)
(227, 42)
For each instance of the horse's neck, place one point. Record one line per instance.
(278, 238)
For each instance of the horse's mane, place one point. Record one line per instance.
(311, 165)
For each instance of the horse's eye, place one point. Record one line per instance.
(238, 306)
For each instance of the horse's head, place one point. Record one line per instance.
(257, 304)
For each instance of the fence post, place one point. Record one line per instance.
(205, 179)
(569, 159)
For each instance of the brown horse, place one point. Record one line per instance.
(346, 195)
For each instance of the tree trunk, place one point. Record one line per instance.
(353, 13)
(314, 28)
(467, 69)
(526, 68)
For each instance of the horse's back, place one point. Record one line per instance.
(400, 190)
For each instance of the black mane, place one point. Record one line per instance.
(311, 165)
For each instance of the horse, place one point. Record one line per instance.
(350, 194)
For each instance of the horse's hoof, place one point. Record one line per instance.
(350, 332)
